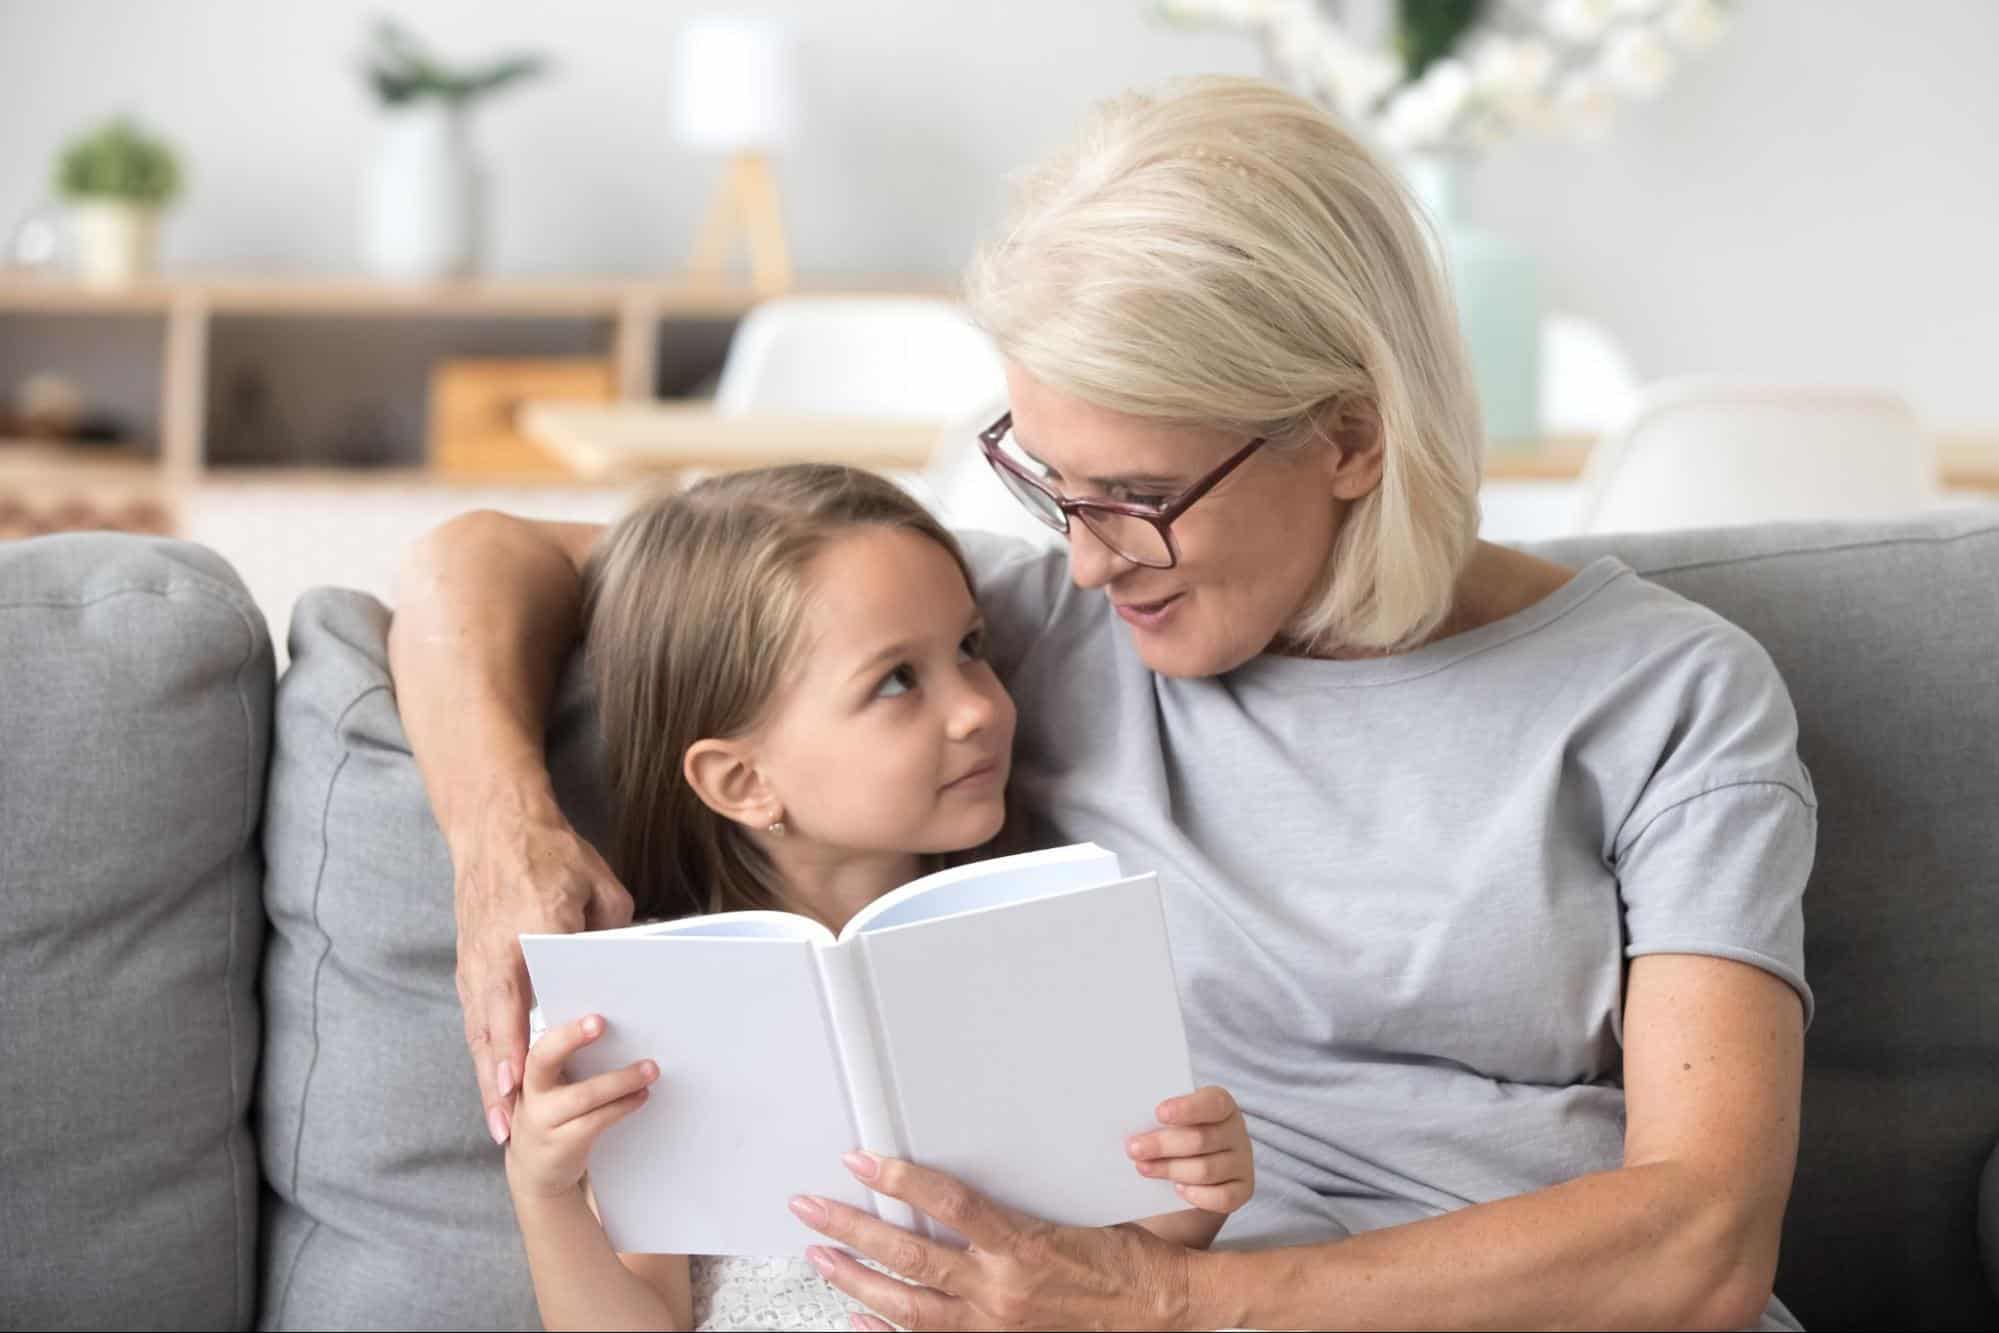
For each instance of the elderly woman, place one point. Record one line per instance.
(1482, 874)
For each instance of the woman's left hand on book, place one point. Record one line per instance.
(1019, 1272)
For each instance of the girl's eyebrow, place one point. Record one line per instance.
(905, 647)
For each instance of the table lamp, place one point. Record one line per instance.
(733, 93)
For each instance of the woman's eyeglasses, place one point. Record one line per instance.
(1141, 532)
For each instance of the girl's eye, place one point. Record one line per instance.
(1150, 501)
(972, 646)
(899, 681)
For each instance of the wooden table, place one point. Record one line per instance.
(616, 441)
(624, 441)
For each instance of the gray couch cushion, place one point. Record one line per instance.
(135, 697)
(1888, 636)
(390, 1209)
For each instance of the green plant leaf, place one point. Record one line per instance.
(1428, 30)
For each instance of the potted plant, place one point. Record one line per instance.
(425, 215)
(117, 179)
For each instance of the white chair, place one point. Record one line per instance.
(901, 358)
(1707, 453)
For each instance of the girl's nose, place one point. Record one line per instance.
(972, 711)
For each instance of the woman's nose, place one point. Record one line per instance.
(1091, 563)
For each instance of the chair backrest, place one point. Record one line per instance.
(1710, 453)
(1588, 385)
(906, 358)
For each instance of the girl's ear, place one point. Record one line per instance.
(724, 775)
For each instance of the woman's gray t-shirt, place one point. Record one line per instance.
(1402, 891)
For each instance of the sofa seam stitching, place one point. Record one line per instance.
(318, 967)
(250, 775)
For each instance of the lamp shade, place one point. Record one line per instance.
(733, 86)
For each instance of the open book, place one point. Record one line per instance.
(1010, 1022)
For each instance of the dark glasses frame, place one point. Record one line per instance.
(1159, 516)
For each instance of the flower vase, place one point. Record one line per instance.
(425, 215)
(1498, 299)
(115, 241)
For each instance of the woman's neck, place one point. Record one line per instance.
(831, 884)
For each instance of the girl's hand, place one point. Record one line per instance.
(557, 1122)
(1203, 1149)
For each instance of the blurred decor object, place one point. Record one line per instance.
(1588, 384)
(425, 206)
(1703, 453)
(474, 405)
(1464, 74)
(117, 179)
(734, 93)
(47, 407)
(1434, 82)
(47, 488)
(35, 244)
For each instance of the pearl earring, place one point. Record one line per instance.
(777, 828)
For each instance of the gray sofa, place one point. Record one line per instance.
(233, 1089)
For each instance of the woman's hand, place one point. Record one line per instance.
(520, 868)
(1020, 1272)
(1204, 1150)
(558, 1122)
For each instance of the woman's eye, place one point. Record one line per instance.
(972, 646)
(899, 681)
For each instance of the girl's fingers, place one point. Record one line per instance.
(1212, 1169)
(1215, 1198)
(546, 1057)
(590, 1125)
(1191, 1142)
(1203, 1106)
(571, 1100)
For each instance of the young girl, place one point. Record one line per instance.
(798, 716)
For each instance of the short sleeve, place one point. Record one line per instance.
(1714, 857)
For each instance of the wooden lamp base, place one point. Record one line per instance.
(746, 204)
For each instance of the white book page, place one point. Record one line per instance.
(740, 925)
(750, 1107)
(1026, 1042)
(1004, 879)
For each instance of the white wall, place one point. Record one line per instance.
(1815, 198)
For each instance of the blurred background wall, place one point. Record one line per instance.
(1814, 198)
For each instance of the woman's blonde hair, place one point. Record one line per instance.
(1225, 255)
(693, 609)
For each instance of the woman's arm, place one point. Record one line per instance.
(1683, 1235)
(486, 613)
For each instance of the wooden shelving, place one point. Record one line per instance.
(635, 307)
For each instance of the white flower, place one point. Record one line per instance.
(1506, 69)
(1426, 112)
(1637, 61)
(1583, 106)
(1577, 20)
(1695, 24)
